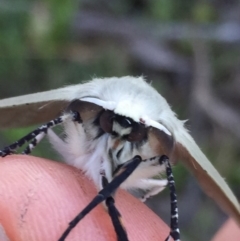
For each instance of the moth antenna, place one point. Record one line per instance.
(175, 232)
(115, 215)
(116, 219)
(124, 172)
(36, 135)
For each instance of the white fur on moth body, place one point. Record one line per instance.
(129, 97)
(134, 98)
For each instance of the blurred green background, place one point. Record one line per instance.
(189, 49)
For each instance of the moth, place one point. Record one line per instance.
(120, 132)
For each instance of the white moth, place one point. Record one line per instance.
(134, 100)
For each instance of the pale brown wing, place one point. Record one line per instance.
(33, 108)
(88, 111)
(183, 148)
(208, 177)
(161, 143)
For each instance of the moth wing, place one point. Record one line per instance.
(34, 108)
(208, 177)
(184, 148)
(160, 142)
(88, 110)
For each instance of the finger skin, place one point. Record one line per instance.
(229, 231)
(38, 198)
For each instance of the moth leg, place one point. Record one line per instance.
(122, 174)
(154, 186)
(175, 232)
(34, 143)
(106, 170)
(115, 215)
(36, 135)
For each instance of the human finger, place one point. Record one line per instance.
(39, 197)
(229, 231)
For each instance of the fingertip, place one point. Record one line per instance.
(141, 223)
(40, 197)
(229, 231)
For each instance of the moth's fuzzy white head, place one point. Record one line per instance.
(134, 97)
(129, 99)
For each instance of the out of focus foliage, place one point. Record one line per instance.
(49, 44)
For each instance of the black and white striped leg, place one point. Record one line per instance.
(36, 135)
(175, 232)
(115, 215)
(34, 143)
(123, 173)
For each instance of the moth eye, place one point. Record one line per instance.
(138, 133)
(106, 121)
(124, 121)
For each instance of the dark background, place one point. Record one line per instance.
(189, 49)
